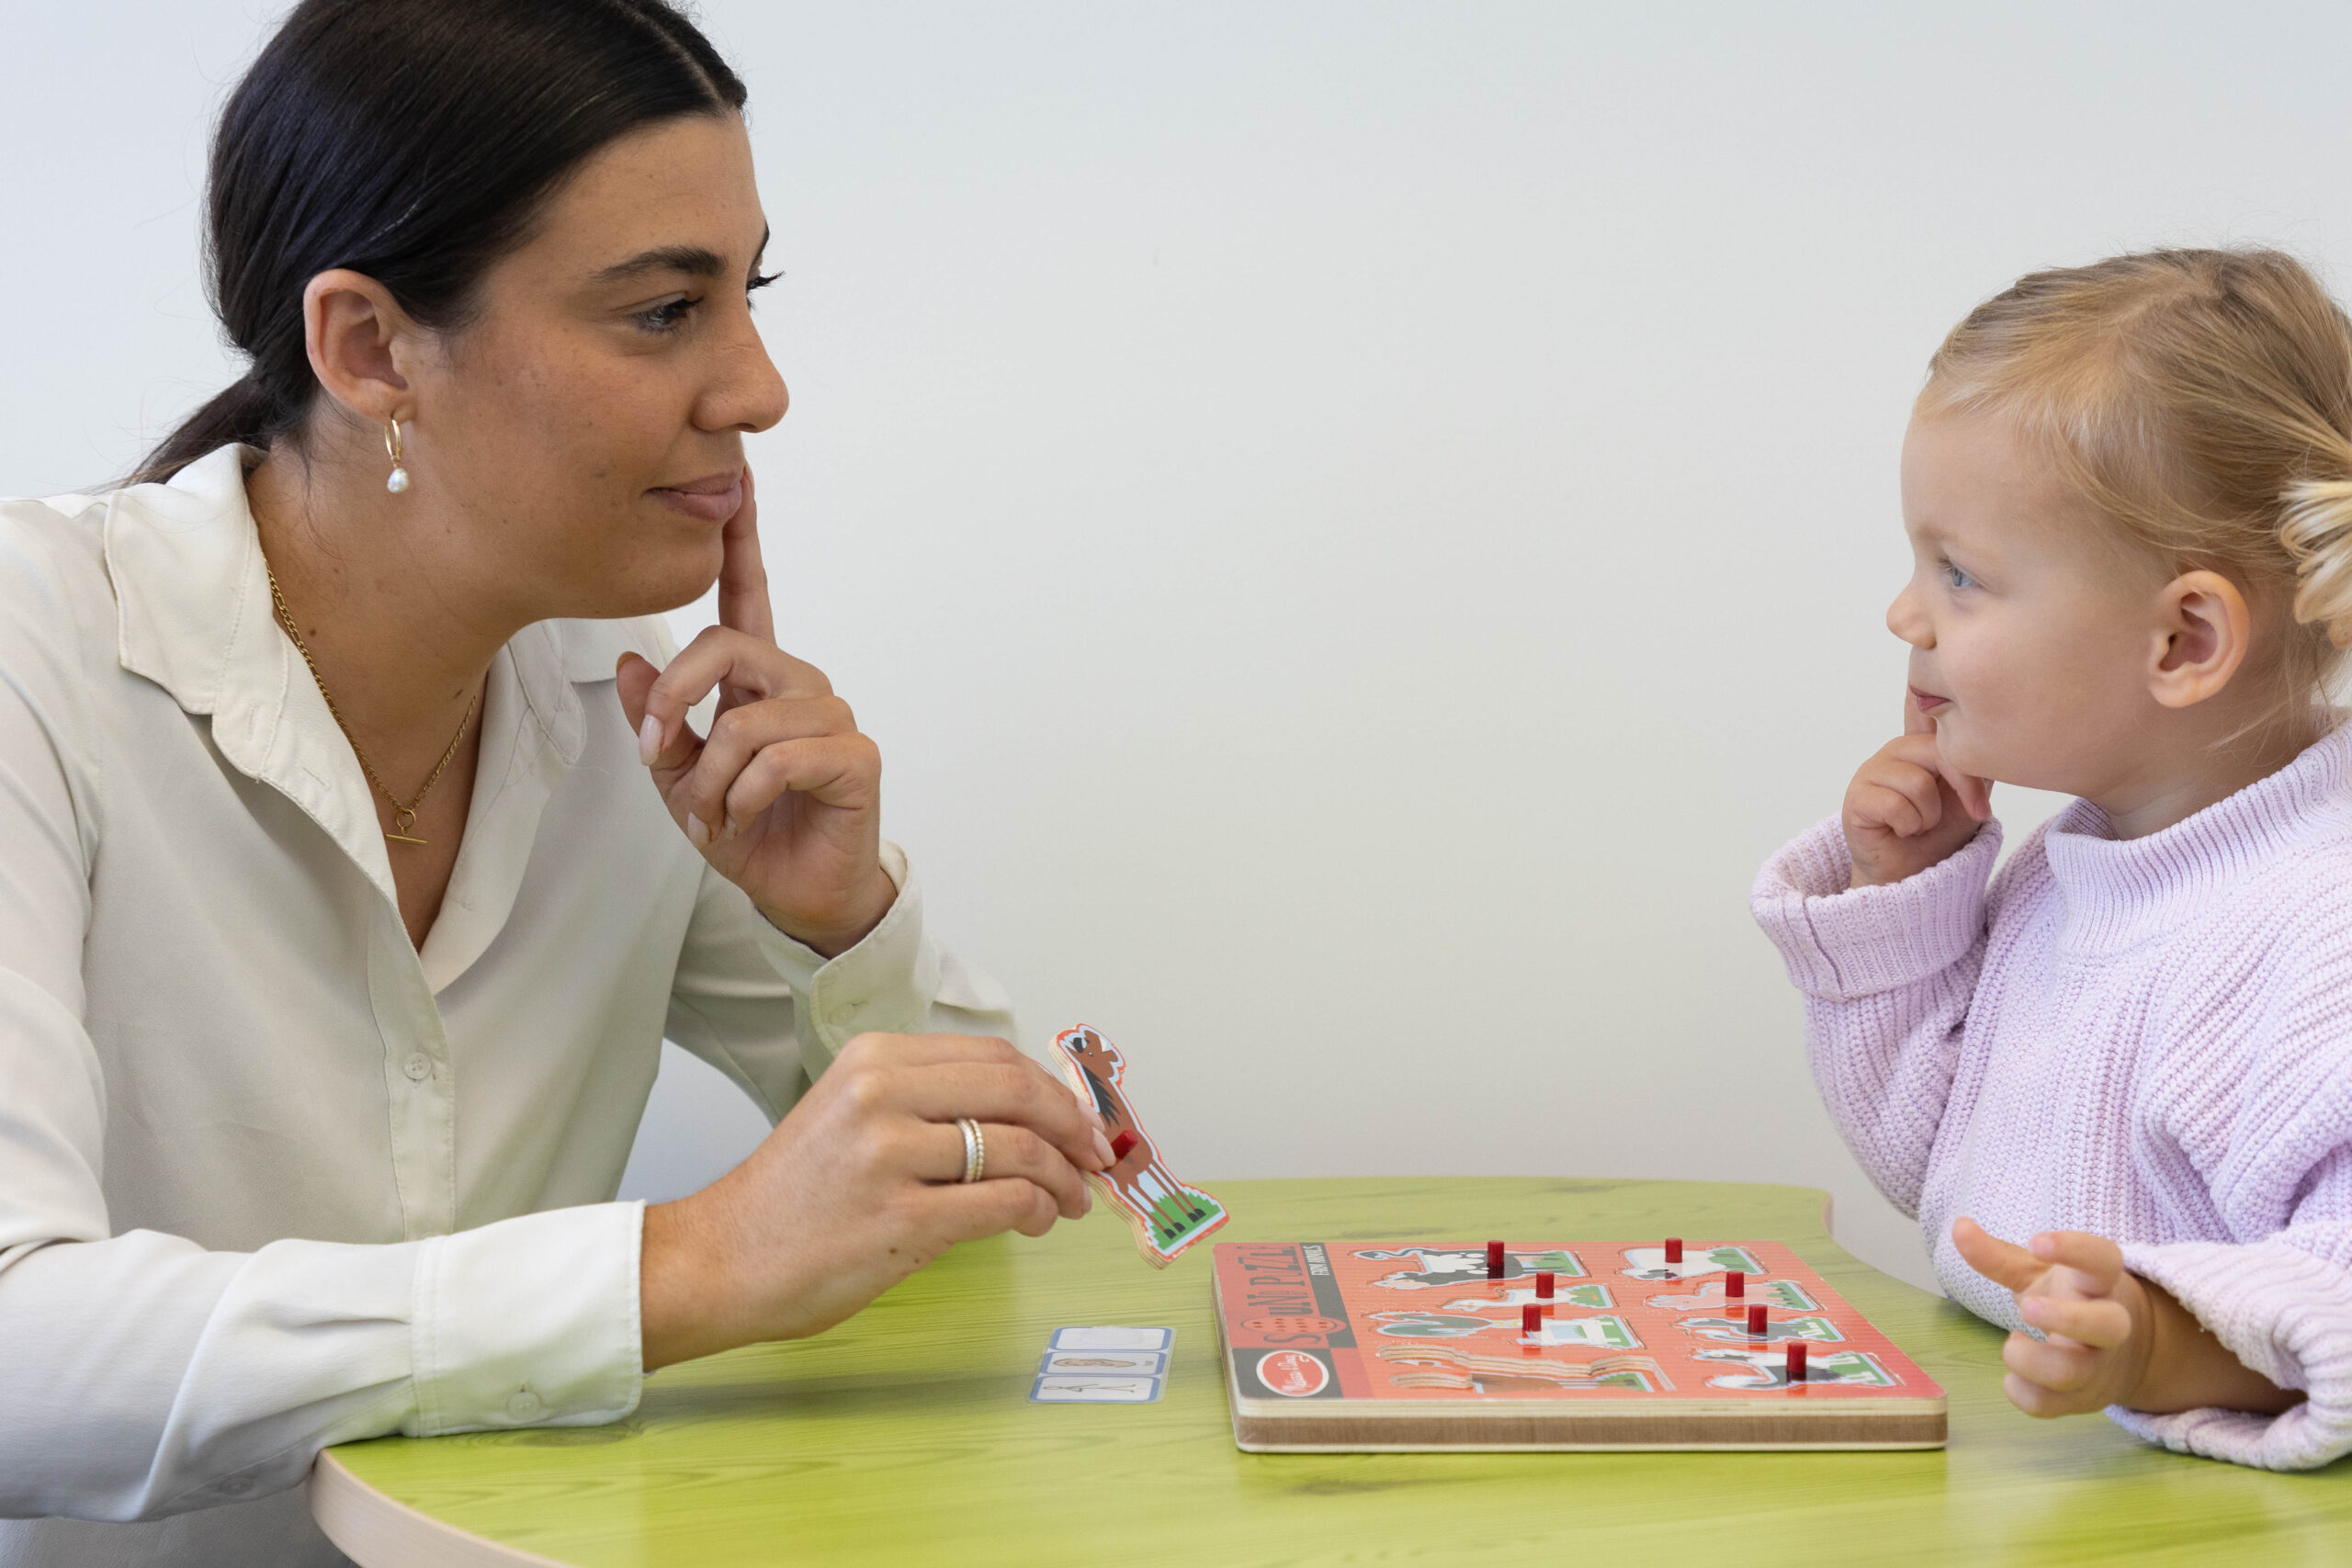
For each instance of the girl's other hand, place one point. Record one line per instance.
(2110, 1337)
(1906, 810)
(2073, 1287)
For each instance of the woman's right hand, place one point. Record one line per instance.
(1906, 809)
(858, 1186)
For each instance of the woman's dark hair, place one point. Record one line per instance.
(414, 141)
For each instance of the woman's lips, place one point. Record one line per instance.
(712, 500)
(1928, 701)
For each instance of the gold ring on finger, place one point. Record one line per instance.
(976, 1148)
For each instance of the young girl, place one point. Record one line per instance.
(2128, 488)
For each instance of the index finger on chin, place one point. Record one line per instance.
(742, 575)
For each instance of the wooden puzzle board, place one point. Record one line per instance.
(1368, 1346)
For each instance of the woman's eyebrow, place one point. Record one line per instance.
(695, 261)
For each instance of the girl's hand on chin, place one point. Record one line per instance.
(784, 797)
(1906, 810)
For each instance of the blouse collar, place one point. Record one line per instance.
(194, 616)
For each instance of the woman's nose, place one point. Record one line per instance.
(748, 393)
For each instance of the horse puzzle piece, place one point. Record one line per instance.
(1167, 1215)
(1442, 1366)
(1785, 1293)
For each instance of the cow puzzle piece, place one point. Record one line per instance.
(1166, 1214)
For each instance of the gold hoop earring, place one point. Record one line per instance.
(392, 444)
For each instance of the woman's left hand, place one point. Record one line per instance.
(784, 797)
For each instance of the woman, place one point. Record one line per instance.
(356, 849)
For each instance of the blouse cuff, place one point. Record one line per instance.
(2286, 1314)
(884, 985)
(529, 1321)
(1841, 942)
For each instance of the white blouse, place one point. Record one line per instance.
(271, 1177)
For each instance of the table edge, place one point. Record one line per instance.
(376, 1530)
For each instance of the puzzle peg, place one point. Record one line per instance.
(1531, 1320)
(1756, 1317)
(1494, 1260)
(1735, 1285)
(1122, 1144)
(1544, 1284)
(1674, 1249)
(1796, 1360)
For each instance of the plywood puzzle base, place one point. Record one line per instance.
(1401, 1346)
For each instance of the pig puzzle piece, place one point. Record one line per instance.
(1166, 1214)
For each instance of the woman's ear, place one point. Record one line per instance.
(2202, 634)
(357, 335)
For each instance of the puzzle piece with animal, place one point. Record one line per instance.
(1167, 1215)
(1337, 1347)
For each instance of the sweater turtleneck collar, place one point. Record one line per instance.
(2118, 893)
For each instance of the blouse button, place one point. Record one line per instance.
(419, 1066)
(522, 1404)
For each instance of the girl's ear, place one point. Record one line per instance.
(2202, 634)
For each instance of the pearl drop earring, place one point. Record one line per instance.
(398, 482)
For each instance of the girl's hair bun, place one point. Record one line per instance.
(2317, 529)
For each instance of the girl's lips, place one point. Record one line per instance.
(708, 505)
(1929, 702)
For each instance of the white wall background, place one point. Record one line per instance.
(1357, 526)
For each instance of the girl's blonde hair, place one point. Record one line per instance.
(2203, 400)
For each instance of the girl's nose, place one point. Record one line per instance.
(1907, 620)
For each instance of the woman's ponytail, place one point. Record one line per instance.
(241, 413)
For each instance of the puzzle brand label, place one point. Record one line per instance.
(1294, 1375)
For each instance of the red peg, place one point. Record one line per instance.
(1735, 1285)
(1494, 1260)
(1674, 1249)
(1756, 1318)
(1544, 1284)
(1796, 1360)
(1531, 1320)
(1120, 1145)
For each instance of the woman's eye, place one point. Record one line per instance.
(668, 316)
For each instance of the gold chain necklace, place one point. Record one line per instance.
(403, 817)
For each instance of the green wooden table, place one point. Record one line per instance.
(906, 1436)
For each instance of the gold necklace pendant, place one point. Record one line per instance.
(403, 817)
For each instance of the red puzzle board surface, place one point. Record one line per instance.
(1339, 1327)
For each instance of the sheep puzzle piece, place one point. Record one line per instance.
(1166, 1214)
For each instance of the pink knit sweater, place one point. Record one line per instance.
(2150, 1038)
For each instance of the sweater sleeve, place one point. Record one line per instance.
(1887, 974)
(2281, 1305)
